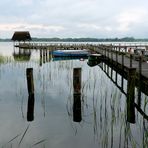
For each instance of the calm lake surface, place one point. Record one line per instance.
(91, 114)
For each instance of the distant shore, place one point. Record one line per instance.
(126, 39)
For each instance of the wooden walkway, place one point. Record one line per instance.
(116, 53)
(123, 58)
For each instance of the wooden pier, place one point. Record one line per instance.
(123, 59)
(118, 55)
(117, 58)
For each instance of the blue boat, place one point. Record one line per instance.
(68, 58)
(70, 53)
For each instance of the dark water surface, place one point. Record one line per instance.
(91, 113)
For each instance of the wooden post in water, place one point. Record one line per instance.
(30, 86)
(30, 83)
(131, 95)
(77, 116)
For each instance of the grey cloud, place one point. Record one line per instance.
(79, 18)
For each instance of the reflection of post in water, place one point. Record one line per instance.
(131, 95)
(30, 85)
(30, 109)
(45, 56)
(77, 117)
(22, 54)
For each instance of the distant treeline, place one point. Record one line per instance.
(125, 39)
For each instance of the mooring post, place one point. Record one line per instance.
(30, 83)
(131, 95)
(77, 117)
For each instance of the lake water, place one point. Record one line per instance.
(73, 105)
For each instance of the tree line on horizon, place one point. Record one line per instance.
(125, 39)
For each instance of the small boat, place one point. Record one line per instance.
(58, 58)
(70, 53)
(94, 59)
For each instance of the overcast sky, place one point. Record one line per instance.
(75, 18)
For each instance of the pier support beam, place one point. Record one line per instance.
(131, 95)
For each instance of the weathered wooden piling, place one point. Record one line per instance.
(77, 80)
(77, 117)
(131, 95)
(30, 83)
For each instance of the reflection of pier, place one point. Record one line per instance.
(112, 72)
(77, 117)
(117, 54)
(45, 56)
(22, 54)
